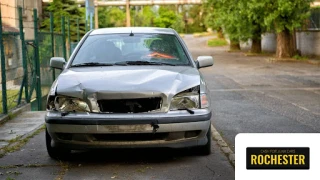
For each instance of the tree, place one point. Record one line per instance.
(248, 19)
(226, 15)
(111, 17)
(168, 18)
(67, 8)
(210, 19)
(240, 19)
(143, 16)
(196, 13)
(252, 25)
(284, 16)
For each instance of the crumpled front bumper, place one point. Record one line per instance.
(175, 129)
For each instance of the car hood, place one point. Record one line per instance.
(127, 82)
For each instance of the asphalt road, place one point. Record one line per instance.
(254, 95)
(32, 162)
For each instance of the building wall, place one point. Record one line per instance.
(269, 42)
(13, 57)
(28, 6)
(308, 42)
(12, 13)
(12, 43)
(8, 11)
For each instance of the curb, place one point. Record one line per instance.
(223, 145)
(15, 112)
(28, 135)
(290, 60)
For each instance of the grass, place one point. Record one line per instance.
(12, 97)
(26, 166)
(202, 34)
(300, 58)
(258, 54)
(216, 42)
(64, 169)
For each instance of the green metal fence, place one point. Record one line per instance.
(25, 70)
(13, 70)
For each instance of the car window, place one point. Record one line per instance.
(116, 48)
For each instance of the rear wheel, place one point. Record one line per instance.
(56, 153)
(205, 149)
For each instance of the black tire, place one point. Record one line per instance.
(55, 153)
(205, 149)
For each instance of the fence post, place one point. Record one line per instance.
(85, 25)
(3, 72)
(24, 56)
(69, 38)
(37, 60)
(52, 44)
(78, 31)
(63, 29)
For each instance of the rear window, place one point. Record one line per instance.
(115, 48)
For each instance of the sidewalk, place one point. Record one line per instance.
(21, 126)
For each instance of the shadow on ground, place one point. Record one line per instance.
(150, 155)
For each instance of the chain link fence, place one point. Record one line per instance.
(25, 70)
(13, 69)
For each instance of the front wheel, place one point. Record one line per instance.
(205, 149)
(55, 153)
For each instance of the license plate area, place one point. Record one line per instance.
(138, 128)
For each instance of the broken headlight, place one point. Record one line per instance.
(185, 101)
(68, 104)
(188, 99)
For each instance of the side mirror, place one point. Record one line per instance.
(204, 61)
(57, 62)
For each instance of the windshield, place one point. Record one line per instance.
(126, 49)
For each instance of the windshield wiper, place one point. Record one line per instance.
(92, 64)
(124, 63)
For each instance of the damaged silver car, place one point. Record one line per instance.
(129, 87)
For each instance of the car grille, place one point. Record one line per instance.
(131, 137)
(130, 105)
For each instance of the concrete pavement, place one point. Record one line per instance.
(20, 126)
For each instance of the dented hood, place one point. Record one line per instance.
(125, 82)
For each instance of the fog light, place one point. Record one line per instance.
(191, 134)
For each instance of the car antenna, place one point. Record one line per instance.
(131, 34)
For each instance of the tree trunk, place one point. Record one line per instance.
(285, 47)
(256, 45)
(234, 45)
(220, 33)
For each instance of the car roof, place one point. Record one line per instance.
(123, 30)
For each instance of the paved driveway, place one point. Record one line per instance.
(252, 95)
